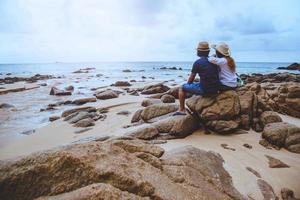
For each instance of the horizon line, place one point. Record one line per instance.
(157, 61)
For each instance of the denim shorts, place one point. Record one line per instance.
(194, 88)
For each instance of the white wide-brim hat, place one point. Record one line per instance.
(222, 47)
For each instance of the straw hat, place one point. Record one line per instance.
(203, 46)
(222, 47)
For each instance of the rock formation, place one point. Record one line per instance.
(117, 169)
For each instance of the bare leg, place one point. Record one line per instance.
(181, 96)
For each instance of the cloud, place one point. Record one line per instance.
(93, 30)
(246, 24)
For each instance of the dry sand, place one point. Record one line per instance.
(60, 133)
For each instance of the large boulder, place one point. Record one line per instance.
(226, 106)
(282, 134)
(154, 89)
(117, 169)
(95, 191)
(145, 132)
(157, 110)
(168, 127)
(268, 117)
(177, 126)
(220, 113)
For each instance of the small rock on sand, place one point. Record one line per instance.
(53, 118)
(247, 146)
(254, 172)
(58, 92)
(121, 84)
(29, 132)
(225, 146)
(82, 130)
(84, 100)
(123, 112)
(266, 190)
(287, 194)
(276, 163)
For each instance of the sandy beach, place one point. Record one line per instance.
(60, 133)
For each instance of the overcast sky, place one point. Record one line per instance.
(146, 30)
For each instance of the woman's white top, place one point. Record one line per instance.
(226, 76)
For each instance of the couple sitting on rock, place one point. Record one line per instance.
(217, 73)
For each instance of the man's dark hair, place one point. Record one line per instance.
(202, 53)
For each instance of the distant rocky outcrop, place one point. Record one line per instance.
(294, 66)
(32, 79)
(117, 169)
(270, 78)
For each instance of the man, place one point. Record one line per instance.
(209, 78)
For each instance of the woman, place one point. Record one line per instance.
(227, 74)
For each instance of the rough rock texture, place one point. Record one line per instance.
(107, 94)
(220, 113)
(154, 89)
(286, 99)
(117, 169)
(282, 134)
(166, 98)
(136, 116)
(272, 78)
(156, 110)
(268, 117)
(95, 191)
(248, 103)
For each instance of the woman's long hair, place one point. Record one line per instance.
(230, 61)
